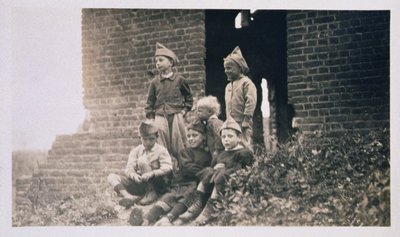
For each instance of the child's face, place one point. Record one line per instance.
(148, 141)
(163, 63)
(203, 113)
(230, 138)
(232, 70)
(195, 138)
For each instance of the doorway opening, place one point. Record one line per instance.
(261, 36)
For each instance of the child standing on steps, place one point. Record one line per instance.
(147, 171)
(234, 157)
(169, 98)
(208, 109)
(176, 201)
(240, 94)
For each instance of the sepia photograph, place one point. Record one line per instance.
(147, 118)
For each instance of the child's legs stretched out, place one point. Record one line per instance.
(125, 186)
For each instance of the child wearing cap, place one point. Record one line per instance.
(169, 98)
(176, 201)
(147, 171)
(234, 157)
(207, 110)
(240, 94)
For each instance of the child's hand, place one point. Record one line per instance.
(136, 178)
(219, 166)
(147, 176)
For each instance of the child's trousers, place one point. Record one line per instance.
(172, 132)
(120, 182)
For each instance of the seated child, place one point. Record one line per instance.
(234, 157)
(208, 109)
(146, 174)
(176, 201)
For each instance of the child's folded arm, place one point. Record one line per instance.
(187, 95)
(151, 100)
(250, 92)
(165, 164)
(130, 169)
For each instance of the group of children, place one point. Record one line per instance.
(183, 168)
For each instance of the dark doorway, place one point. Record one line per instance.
(263, 44)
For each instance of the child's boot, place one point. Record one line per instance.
(150, 196)
(195, 209)
(207, 214)
(128, 200)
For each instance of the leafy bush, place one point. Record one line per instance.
(320, 180)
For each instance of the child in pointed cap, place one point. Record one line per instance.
(169, 98)
(240, 94)
(147, 170)
(234, 157)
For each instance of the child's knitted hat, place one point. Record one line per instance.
(161, 50)
(197, 125)
(147, 127)
(237, 57)
(231, 124)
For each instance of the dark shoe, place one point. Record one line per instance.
(208, 214)
(149, 198)
(127, 202)
(194, 210)
(136, 217)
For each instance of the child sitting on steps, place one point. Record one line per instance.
(234, 157)
(176, 201)
(147, 171)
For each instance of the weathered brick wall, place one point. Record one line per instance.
(338, 69)
(118, 48)
(118, 52)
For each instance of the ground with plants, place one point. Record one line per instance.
(314, 181)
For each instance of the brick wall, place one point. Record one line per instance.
(338, 69)
(118, 55)
(118, 52)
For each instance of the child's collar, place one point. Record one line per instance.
(169, 75)
(151, 149)
(239, 146)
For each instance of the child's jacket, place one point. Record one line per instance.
(240, 99)
(158, 158)
(213, 137)
(190, 162)
(232, 159)
(168, 96)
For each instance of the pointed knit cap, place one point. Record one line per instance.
(161, 50)
(237, 57)
(197, 126)
(147, 127)
(230, 123)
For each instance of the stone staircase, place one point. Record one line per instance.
(77, 164)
